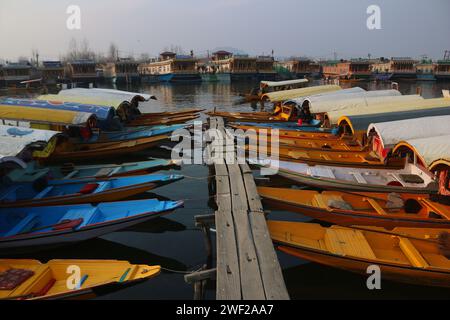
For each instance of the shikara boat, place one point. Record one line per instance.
(58, 192)
(411, 179)
(362, 208)
(354, 159)
(161, 120)
(177, 113)
(313, 125)
(27, 279)
(405, 255)
(27, 228)
(283, 114)
(71, 171)
(69, 152)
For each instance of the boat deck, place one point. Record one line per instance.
(247, 266)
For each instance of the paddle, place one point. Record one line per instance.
(64, 224)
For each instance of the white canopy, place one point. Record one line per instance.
(107, 94)
(346, 99)
(326, 95)
(13, 140)
(392, 132)
(282, 83)
(430, 149)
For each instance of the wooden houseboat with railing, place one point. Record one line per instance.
(124, 70)
(14, 74)
(171, 67)
(347, 70)
(237, 66)
(52, 72)
(425, 70)
(395, 68)
(442, 70)
(82, 71)
(265, 68)
(302, 67)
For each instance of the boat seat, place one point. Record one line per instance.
(321, 172)
(348, 242)
(103, 172)
(102, 186)
(325, 157)
(10, 191)
(298, 154)
(376, 206)
(42, 194)
(71, 175)
(74, 214)
(330, 202)
(358, 176)
(411, 252)
(25, 222)
(437, 208)
(411, 178)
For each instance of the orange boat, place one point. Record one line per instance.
(161, 120)
(66, 151)
(360, 159)
(362, 208)
(280, 114)
(405, 255)
(182, 112)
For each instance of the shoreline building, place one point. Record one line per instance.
(425, 70)
(13, 73)
(355, 69)
(124, 70)
(82, 71)
(302, 67)
(52, 72)
(442, 69)
(265, 67)
(395, 68)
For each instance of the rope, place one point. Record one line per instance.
(180, 271)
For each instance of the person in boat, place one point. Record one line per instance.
(304, 116)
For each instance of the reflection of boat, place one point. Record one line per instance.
(362, 208)
(42, 192)
(30, 228)
(38, 281)
(70, 171)
(411, 179)
(404, 255)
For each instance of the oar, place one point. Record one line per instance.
(60, 225)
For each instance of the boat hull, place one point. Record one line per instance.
(391, 272)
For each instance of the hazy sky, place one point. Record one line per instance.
(289, 27)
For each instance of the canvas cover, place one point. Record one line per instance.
(280, 96)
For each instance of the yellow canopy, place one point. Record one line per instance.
(296, 93)
(334, 116)
(44, 116)
(115, 103)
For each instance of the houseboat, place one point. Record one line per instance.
(302, 68)
(265, 68)
(220, 65)
(347, 70)
(15, 74)
(425, 70)
(82, 71)
(442, 70)
(125, 70)
(396, 68)
(171, 67)
(52, 72)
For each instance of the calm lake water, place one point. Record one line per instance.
(176, 244)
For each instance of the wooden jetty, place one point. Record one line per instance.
(247, 266)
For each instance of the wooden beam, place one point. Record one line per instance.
(200, 275)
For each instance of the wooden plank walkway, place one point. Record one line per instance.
(247, 265)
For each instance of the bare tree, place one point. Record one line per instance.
(113, 52)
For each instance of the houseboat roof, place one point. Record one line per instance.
(443, 61)
(14, 140)
(17, 65)
(430, 150)
(82, 61)
(402, 59)
(52, 64)
(391, 132)
(222, 52)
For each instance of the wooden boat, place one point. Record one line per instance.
(284, 114)
(355, 159)
(310, 133)
(164, 114)
(362, 208)
(57, 192)
(71, 171)
(28, 228)
(66, 151)
(405, 255)
(48, 281)
(411, 179)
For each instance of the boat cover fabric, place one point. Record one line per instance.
(282, 83)
(430, 149)
(114, 103)
(101, 112)
(13, 140)
(362, 122)
(279, 96)
(340, 94)
(107, 94)
(15, 111)
(332, 102)
(395, 106)
(392, 132)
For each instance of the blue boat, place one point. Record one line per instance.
(31, 227)
(69, 171)
(43, 192)
(314, 126)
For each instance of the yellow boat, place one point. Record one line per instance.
(31, 279)
(280, 96)
(404, 254)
